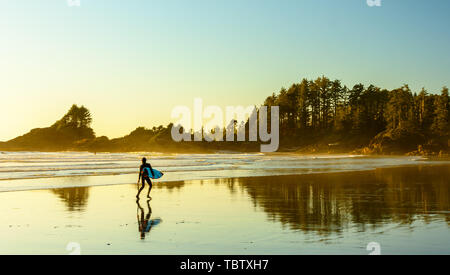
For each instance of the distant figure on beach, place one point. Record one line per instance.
(145, 171)
(144, 222)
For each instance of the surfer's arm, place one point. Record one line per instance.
(151, 170)
(140, 173)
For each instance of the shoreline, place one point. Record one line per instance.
(159, 182)
(284, 151)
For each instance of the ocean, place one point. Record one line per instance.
(17, 167)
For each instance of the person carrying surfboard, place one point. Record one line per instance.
(145, 172)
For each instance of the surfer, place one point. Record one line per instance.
(145, 171)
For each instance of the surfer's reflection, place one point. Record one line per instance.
(144, 222)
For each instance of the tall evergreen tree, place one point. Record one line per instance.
(336, 96)
(303, 104)
(441, 120)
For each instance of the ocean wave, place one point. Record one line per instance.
(30, 165)
(51, 170)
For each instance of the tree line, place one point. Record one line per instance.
(320, 115)
(323, 107)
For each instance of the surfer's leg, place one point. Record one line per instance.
(142, 188)
(149, 187)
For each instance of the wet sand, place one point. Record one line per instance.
(404, 209)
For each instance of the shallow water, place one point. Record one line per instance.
(17, 167)
(405, 209)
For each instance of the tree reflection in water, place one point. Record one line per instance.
(330, 203)
(75, 198)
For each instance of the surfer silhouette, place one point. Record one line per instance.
(145, 172)
(145, 224)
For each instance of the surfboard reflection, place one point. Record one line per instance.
(144, 222)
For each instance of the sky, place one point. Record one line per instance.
(131, 62)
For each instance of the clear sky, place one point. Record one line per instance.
(130, 62)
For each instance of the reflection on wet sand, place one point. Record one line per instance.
(145, 224)
(326, 203)
(330, 203)
(405, 209)
(75, 199)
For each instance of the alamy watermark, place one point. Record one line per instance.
(374, 3)
(74, 248)
(73, 3)
(374, 247)
(209, 124)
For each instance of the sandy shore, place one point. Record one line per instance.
(404, 209)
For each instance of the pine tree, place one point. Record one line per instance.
(336, 96)
(400, 109)
(303, 104)
(440, 125)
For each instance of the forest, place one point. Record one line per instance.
(316, 116)
(324, 113)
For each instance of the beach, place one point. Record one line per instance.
(236, 128)
(404, 209)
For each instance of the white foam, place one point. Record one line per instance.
(15, 166)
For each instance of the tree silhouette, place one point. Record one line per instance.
(441, 120)
(76, 117)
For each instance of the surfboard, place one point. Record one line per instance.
(152, 223)
(156, 173)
